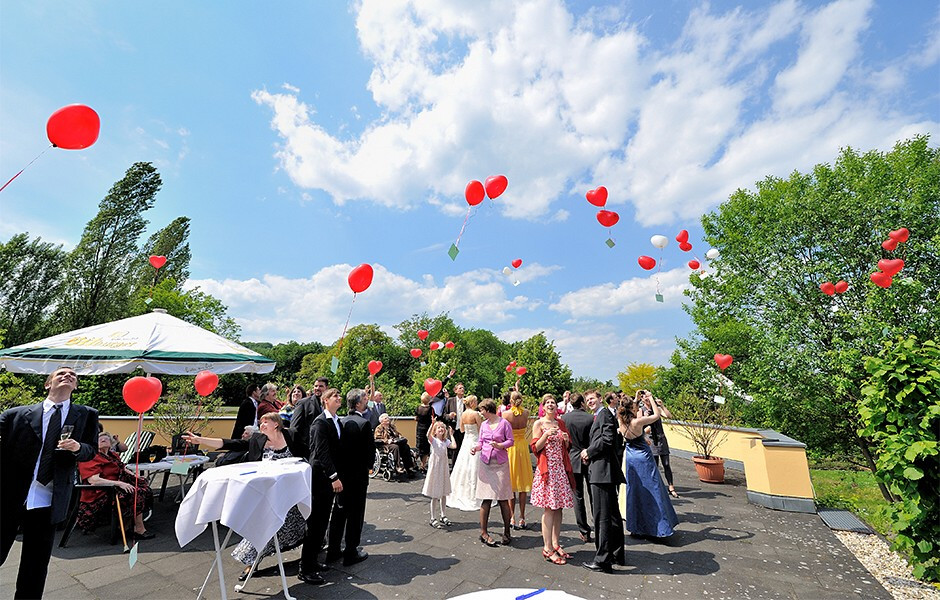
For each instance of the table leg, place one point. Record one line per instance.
(166, 476)
(217, 562)
(280, 565)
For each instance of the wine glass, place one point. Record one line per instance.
(152, 457)
(66, 432)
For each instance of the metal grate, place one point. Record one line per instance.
(842, 520)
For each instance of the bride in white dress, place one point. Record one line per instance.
(463, 477)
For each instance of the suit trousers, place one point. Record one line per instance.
(317, 523)
(38, 536)
(608, 524)
(349, 512)
(582, 480)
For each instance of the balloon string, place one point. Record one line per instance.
(140, 423)
(23, 169)
(466, 219)
(342, 337)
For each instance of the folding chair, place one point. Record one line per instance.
(146, 439)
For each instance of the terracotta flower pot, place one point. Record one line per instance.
(710, 470)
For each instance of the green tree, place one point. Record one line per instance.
(581, 384)
(30, 282)
(16, 391)
(638, 376)
(900, 412)
(797, 351)
(193, 306)
(289, 357)
(99, 274)
(545, 373)
(171, 242)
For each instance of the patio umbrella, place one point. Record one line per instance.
(155, 342)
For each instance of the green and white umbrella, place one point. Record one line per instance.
(155, 343)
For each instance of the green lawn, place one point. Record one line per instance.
(856, 491)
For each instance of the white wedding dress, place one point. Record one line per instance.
(463, 479)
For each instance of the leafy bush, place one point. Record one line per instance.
(900, 412)
(701, 420)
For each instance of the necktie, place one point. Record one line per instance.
(44, 474)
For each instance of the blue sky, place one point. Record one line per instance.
(304, 138)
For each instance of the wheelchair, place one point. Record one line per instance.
(383, 466)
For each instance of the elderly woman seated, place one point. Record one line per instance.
(106, 469)
(272, 442)
(395, 444)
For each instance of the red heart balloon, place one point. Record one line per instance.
(435, 345)
(73, 127)
(891, 266)
(157, 261)
(597, 196)
(607, 218)
(495, 186)
(517, 263)
(694, 265)
(206, 382)
(422, 334)
(647, 262)
(416, 352)
(474, 193)
(827, 288)
(508, 368)
(889, 244)
(360, 278)
(141, 393)
(900, 235)
(685, 246)
(683, 236)
(375, 366)
(521, 371)
(432, 386)
(723, 361)
(448, 345)
(512, 363)
(841, 286)
(881, 279)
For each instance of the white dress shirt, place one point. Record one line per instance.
(40, 496)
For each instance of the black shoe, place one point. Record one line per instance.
(597, 567)
(352, 559)
(311, 578)
(622, 561)
(147, 535)
(333, 557)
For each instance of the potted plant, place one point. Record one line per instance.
(703, 421)
(181, 411)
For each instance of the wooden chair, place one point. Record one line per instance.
(73, 512)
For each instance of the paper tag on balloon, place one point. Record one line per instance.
(453, 252)
(148, 300)
(334, 364)
(610, 243)
(180, 467)
(719, 399)
(516, 282)
(659, 297)
(132, 557)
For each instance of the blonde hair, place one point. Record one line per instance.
(425, 396)
(471, 399)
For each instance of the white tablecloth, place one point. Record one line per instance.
(251, 498)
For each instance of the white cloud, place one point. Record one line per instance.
(276, 308)
(560, 104)
(630, 296)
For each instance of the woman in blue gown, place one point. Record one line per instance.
(649, 511)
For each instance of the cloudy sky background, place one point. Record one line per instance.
(306, 138)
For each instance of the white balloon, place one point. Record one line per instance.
(712, 254)
(660, 241)
(507, 271)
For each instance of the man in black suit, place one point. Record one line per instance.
(323, 437)
(349, 508)
(247, 411)
(612, 402)
(606, 474)
(305, 412)
(37, 474)
(454, 408)
(579, 424)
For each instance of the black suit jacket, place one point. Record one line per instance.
(325, 453)
(374, 413)
(579, 424)
(245, 417)
(254, 446)
(20, 444)
(301, 421)
(358, 447)
(602, 451)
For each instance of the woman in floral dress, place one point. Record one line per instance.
(551, 487)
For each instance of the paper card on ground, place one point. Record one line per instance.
(132, 557)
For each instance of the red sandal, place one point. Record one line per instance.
(561, 552)
(547, 555)
(557, 559)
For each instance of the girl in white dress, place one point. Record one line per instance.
(463, 479)
(437, 480)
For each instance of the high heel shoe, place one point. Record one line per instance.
(489, 541)
(547, 555)
(561, 552)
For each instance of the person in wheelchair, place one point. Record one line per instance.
(395, 445)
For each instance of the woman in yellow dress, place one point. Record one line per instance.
(520, 462)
